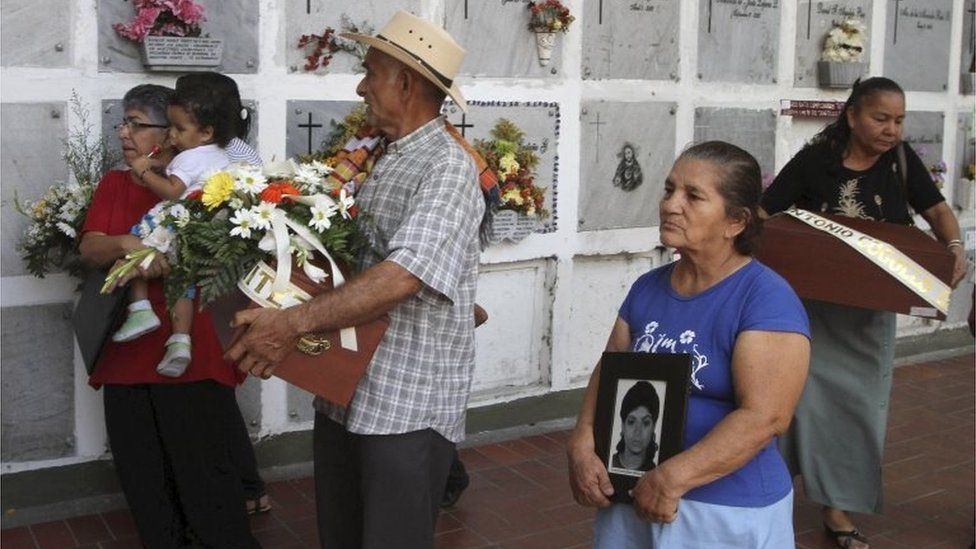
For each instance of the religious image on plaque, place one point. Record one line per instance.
(626, 151)
(170, 36)
(640, 414)
(628, 175)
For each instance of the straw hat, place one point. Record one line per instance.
(422, 46)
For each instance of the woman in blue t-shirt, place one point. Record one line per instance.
(748, 336)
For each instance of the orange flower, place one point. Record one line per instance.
(275, 192)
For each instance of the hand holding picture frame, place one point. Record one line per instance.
(640, 414)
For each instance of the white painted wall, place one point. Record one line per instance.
(553, 297)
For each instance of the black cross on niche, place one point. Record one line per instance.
(598, 124)
(809, 17)
(463, 125)
(465, 9)
(601, 12)
(894, 34)
(709, 16)
(308, 7)
(310, 126)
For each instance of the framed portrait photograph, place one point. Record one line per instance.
(640, 414)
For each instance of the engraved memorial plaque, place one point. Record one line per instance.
(21, 43)
(30, 162)
(738, 40)
(917, 43)
(816, 18)
(540, 122)
(497, 36)
(626, 151)
(37, 369)
(313, 16)
(311, 122)
(752, 130)
(630, 40)
(233, 21)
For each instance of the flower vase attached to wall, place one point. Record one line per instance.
(546, 19)
(840, 63)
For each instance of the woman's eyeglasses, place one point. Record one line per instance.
(134, 125)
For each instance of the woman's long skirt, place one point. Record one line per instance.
(836, 439)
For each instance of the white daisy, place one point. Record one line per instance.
(244, 221)
(687, 337)
(321, 212)
(249, 179)
(263, 213)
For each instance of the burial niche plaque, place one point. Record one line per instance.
(917, 43)
(630, 40)
(738, 40)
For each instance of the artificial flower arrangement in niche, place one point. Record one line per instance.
(320, 48)
(50, 241)
(521, 209)
(546, 18)
(841, 61)
(170, 35)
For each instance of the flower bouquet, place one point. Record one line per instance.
(522, 202)
(50, 241)
(280, 235)
(244, 215)
(840, 63)
(167, 30)
(546, 19)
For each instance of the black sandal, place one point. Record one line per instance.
(255, 507)
(844, 538)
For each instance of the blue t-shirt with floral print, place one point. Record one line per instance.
(706, 326)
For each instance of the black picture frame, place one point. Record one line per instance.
(669, 376)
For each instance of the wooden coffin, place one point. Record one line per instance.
(822, 267)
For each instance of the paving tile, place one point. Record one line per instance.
(474, 460)
(89, 529)
(53, 535)
(131, 543)
(462, 538)
(17, 538)
(120, 524)
(276, 537)
(547, 445)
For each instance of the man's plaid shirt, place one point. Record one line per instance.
(422, 206)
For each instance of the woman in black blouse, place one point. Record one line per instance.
(856, 167)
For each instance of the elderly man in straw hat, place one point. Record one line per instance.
(381, 463)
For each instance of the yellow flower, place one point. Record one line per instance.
(508, 164)
(557, 24)
(217, 189)
(512, 196)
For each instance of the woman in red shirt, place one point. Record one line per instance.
(167, 435)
